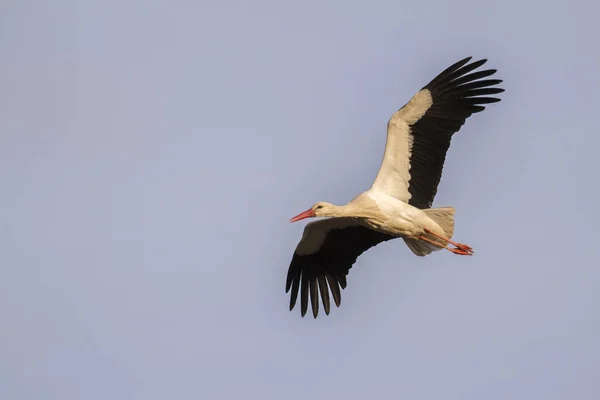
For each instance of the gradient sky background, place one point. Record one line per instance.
(152, 152)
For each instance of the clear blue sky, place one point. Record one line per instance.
(151, 153)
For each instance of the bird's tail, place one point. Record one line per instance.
(444, 217)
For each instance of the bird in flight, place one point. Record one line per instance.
(398, 204)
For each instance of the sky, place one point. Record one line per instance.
(152, 152)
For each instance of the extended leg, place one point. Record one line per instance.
(461, 246)
(455, 251)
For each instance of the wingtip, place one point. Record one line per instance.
(480, 61)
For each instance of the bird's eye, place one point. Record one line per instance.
(319, 207)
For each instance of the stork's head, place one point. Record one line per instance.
(320, 209)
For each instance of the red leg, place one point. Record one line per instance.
(460, 246)
(455, 251)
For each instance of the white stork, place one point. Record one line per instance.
(398, 204)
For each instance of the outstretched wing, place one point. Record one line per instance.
(323, 257)
(419, 134)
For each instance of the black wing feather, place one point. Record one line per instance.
(456, 94)
(324, 293)
(329, 266)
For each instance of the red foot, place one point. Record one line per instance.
(461, 252)
(464, 247)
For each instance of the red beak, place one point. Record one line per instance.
(306, 214)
